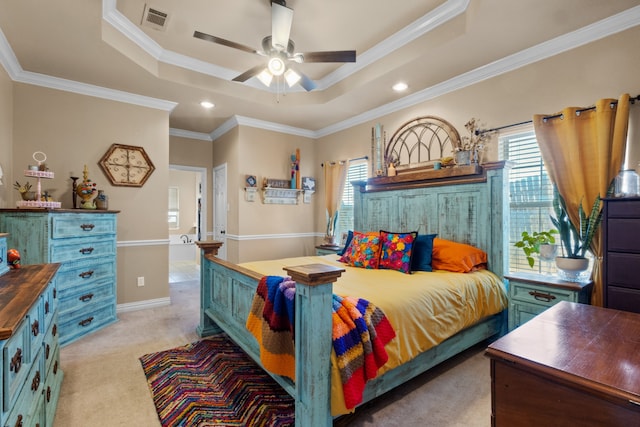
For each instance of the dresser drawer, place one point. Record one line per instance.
(50, 304)
(15, 364)
(85, 272)
(623, 269)
(36, 328)
(77, 249)
(623, 235)
(84, 297)
(623, 299)
(81, 323)
(79, 225)
(541, 296)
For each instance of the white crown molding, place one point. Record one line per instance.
(590, 33)
(190, 134)
(17, 74)
(438, 16)
(598, 30)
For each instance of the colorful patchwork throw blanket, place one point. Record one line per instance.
(360, 332)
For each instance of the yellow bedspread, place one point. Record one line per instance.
(424, 308)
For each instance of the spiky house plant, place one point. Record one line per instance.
(575, 241)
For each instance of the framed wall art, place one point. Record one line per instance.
(126, 165)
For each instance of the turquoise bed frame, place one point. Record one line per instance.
(467, 204)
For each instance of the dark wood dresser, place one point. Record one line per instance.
(572, 365)
(621, 252)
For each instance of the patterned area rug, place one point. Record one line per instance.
(213, 383)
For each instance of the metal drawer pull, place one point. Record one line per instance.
(541, 296)
(87, 227)
(16, 361)
(47, 351)
(36, 381)
(86, 274)
(86, 297)
(54, 331)
(48, 394)
(19, 421)
(85, 251)
(46, 307)
(55, 367)
(35, 330)
(86, 321)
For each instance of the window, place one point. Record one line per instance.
(531, 196)
(174, 208)
(357, 172)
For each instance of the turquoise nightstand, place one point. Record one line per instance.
(530, 294)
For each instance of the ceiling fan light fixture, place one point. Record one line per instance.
(265, 77)
(276, 66)
(291, 77)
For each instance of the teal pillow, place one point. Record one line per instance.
(347, 243)
(422, 251)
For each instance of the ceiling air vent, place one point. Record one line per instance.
(153, 18)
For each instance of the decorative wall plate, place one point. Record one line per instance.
(126, 165)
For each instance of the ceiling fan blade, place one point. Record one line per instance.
(252, 72)
(330, 56)
(306, 82)
(218, 40)
(281, 20)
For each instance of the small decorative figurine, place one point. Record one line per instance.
(13, 258)
(86, 190)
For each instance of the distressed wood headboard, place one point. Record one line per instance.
(472, 210)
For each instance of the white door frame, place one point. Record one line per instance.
(222, 207)
(203, 196)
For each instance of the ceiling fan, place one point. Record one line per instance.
(280, 50)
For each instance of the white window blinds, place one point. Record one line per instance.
(531, 196)
(357, 172)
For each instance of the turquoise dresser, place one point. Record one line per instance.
(29, 346)
(84, 243)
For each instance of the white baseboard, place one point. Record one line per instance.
(142, 305)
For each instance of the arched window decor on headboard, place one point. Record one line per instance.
(421, 141)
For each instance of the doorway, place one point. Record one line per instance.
(187, 221)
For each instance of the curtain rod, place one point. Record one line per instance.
(555, 116)
(356, 158)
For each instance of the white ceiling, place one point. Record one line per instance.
(434, 46)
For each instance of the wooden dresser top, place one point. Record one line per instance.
(589, 347)
(19, 290)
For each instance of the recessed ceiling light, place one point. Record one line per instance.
(399, 87)
(207, 104)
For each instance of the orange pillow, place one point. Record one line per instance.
(457, 257)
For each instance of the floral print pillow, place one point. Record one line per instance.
(364, 250)
(397, 249)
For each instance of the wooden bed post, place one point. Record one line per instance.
(313, 325)
(207, 248)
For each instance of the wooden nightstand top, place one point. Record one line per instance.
(546, 280)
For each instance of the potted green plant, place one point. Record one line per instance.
(575, 241)
(538, 242)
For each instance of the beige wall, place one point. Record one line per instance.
(579, 77)
(6, 136)
(74, 130)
